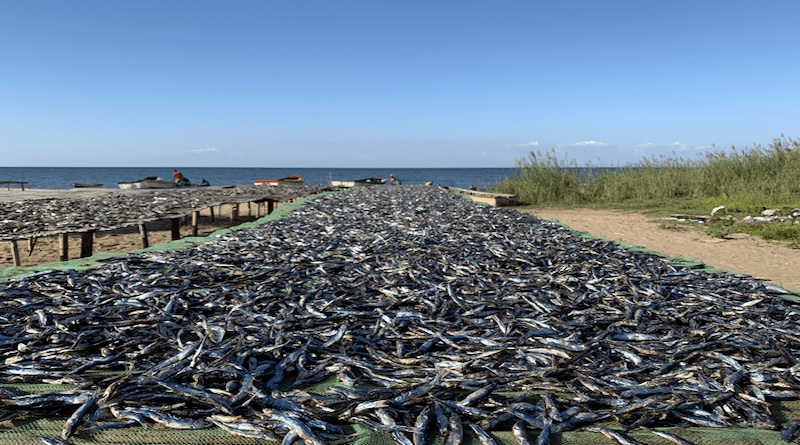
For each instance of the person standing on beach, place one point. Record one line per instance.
(393, 180)
(179, 178)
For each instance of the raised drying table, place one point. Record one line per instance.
(59, 213)
(19, 183)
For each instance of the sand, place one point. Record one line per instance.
(738, 253)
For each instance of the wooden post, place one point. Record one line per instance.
(235, 214)
(143, 232)
(176, 228)
(258, 209)
(15, 252)
(248, 209)
(63, 246)
(212, 213)
(86, 244)
(270, 206)
(195, 219)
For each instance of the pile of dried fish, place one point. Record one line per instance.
(115, 209)
(434, 312)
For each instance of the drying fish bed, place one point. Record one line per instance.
(114, 209)
(110, 210)
(402, 311)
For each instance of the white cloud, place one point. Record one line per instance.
(529, 144)
(590, 143)
(680, 146)
(673, 145)
(204, 150)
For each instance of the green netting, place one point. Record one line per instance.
(23, 430)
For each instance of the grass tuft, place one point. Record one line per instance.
(745, 181)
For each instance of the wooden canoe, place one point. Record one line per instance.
(375, 180)
(294, 179)
(493, 199)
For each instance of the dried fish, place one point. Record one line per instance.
(611, 434)
(669, 436)
(424, 304)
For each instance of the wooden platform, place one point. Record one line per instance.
(19, 183)
(493, 199)
(40, 213)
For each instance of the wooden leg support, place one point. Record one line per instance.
(195, 219)
(235, 214)
(176, 228)
(15, 252)
(86, 244)
(143, 232)
(63, 247)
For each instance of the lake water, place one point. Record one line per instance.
(64, 177)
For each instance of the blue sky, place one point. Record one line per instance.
(391, 83)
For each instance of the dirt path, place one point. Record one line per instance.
(739, 253)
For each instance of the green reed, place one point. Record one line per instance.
(541, 179)
(744, 181)
(756, 175)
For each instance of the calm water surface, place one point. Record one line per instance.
(64, 177)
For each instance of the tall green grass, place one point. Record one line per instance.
(753, 177)
(542, 179)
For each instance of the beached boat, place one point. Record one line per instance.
(84, 186)
(493, 199)
(295, 179)
(130, 185)
(375, 180)
(158, 184)
(150, 182)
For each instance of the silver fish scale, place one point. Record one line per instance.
(419, 299)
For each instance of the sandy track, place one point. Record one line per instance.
(738, 253)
